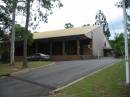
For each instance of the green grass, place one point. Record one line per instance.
(5, 68)
(34, 64)
(109, 82)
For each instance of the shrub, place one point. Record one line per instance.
(5, 57)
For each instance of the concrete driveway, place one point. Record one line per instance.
(41, 81)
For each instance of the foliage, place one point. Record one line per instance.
(3, 35)
(5, 57)
(39, 10)
(69, 25)
(127, 3)
(5, 20)
(118, 44)
(5, 13)
(86, 25)
(35, 11)
(19, 34)
(128, 23)
(101, 20)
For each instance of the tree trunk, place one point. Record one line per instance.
(25, 35)
(12, 61)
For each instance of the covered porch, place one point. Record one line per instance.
(64, 48)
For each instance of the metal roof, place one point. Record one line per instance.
(64, 32)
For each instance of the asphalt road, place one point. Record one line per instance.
(41, 81)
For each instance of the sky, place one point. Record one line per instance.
(80, 12)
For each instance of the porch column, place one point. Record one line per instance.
(63, 47)
(36, 47)
(78, 47)
(50, 47)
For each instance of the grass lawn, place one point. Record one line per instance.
(5, 68)
(109, 82)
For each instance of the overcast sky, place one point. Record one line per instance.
(80, 12)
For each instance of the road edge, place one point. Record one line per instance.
(61, 88)
(30, 69)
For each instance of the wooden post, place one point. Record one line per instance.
(50, 47)
(78, 47)
(63, 47)
(36, 47)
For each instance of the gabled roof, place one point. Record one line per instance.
(64, 32)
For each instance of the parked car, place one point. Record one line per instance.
(38, 57)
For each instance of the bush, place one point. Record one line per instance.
(5, 57)
(117, 54)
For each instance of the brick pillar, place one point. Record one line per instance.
(78, 47)
(36, 47)
(50, 47)
(63, 47)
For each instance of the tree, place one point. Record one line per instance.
(14, 5)
(128, 16)
(5, 19)
(118, 44)
(69, 25)
(43, 10)
(19, 38)
(85, 25)
(6, 8)
(127, 3)
(33, 10)
(101, 20)
(3, 36)
(25, 37)
(19, 32)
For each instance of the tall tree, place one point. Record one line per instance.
(101, 20)
(41, 13)
(8, 7)
(25, 36)
(69, 25)
(14, 2)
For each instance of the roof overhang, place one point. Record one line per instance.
(64, 32)
(73, 37)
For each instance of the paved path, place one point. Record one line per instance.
(41, 81)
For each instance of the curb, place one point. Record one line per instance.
(4, 75)
(30, 69)
(61, 88)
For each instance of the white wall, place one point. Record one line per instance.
(98, 41)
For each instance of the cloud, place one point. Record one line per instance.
(116, 26)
